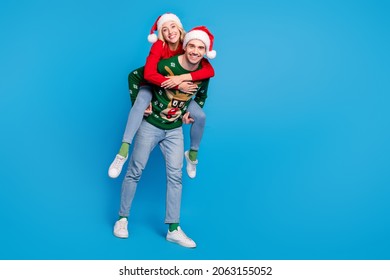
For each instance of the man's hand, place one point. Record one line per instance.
(148, 110)
(187, 119)
(188, 87)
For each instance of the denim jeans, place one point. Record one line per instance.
(197, 127)
(137, 113)
(172, 146)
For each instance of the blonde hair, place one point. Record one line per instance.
(180, 28)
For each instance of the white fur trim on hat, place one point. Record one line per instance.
(202, 36)
(152, 38)
(168, 17)
(211, 54)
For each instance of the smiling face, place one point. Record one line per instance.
(170, 32)
(194, 51)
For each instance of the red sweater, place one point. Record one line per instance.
(160, 50)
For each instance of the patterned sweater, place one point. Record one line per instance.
(169, 105)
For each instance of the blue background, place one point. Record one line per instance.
(294, 163)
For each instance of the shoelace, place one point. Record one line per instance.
(122, 224)
(182, 234)
(118, 162)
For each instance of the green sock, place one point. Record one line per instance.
(173, 226)
(193, 155)
(124, 150)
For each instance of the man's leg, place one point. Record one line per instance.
(147, 138)
(172, 148)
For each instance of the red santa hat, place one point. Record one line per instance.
(203, 34)
(152, 38)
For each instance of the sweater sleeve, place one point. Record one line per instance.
(135, 80)
(201, 95)
(151, 70)
(206, 72)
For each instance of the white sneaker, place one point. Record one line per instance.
(178, 236)
(191, 165)
(120, 228)
(116, 166)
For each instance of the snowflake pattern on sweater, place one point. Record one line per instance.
(169, 105)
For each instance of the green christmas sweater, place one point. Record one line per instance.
(168, 105)
(135, 80)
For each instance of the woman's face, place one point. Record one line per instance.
(170, 32)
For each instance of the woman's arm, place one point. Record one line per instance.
(206, 72)
(155, 55)
(135, 80)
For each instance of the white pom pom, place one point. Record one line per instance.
(152, 38)
(211, 54)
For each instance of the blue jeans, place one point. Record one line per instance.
(137, 113)
(172, 146)
(197, 127)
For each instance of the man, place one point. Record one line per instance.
(164, 127)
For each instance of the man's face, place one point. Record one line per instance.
(194, 51)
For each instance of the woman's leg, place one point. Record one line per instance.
(136, 114)
(196, 134)
(133, 123)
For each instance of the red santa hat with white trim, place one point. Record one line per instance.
(152, 37)
(203, 34)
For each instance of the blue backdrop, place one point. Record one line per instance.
(294, 163)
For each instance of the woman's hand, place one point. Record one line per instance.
(188, 87)
(172, 81)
